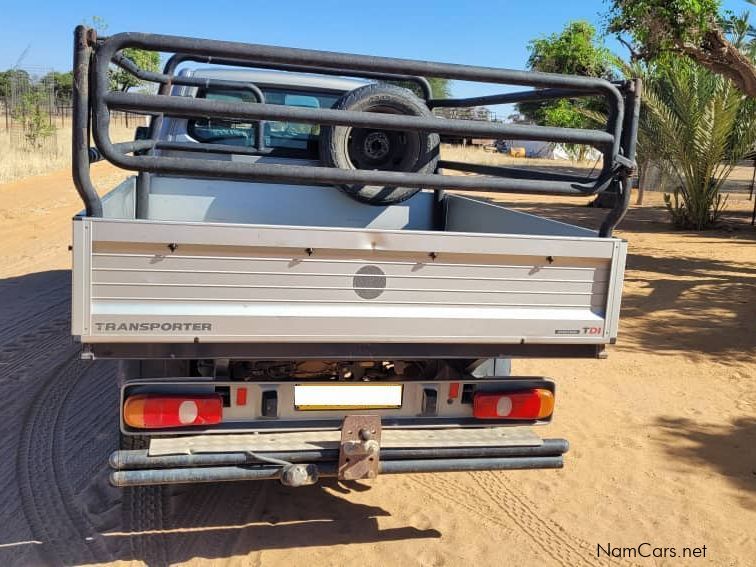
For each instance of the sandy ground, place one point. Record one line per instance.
(663, 433)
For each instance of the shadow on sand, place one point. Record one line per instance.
(676, 304)
(727, 449)
(691, 306)
(238, 518)
(55, 436)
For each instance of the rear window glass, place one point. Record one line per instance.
(286, 137)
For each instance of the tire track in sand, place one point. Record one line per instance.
(499, 506)
(156, 518)
(50, 506)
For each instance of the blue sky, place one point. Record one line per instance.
(493, 33)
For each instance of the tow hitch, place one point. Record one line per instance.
(359, 454)
(359, 451)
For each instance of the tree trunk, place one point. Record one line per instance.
(642, 170)
(722, 57)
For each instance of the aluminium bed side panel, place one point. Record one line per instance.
(466, 214)
(151, 281)
(120, 203)
(81, 277)
(616, 283)
(218, 200)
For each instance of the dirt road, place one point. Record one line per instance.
(663, 432)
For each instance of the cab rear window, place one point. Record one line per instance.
(284, 138)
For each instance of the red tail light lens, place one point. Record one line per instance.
(153, 411)
(525, 404)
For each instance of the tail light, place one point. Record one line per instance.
(154, 411)
(525, 404)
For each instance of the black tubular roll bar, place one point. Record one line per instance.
(93, 102)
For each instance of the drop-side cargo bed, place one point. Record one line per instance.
(187, 288)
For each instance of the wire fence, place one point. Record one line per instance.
(35, 105)
(29, 108)
(60, 116)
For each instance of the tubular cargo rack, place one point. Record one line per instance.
(93, 103)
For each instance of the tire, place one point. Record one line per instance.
(144, 509)
(365, 148)
(130, 442)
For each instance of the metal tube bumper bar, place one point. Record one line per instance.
(136, 459)
(138, 468)
(147, 477)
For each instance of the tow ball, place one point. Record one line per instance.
(359, 454)
(359, 451)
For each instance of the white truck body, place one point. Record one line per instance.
(247, 282)
(294, 284)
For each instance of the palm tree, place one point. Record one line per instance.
(646, 155)
(699, 125)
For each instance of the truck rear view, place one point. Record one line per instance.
(296, 285)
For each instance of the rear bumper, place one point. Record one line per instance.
(198, 460)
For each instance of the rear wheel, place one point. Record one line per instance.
(374, 149)
(134, 442)
(143, 509)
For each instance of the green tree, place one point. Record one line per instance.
(576, 50)
(63, 84)
(35, 120)
(645, 152)
(5, 83)
(699, 125)
(119, 79)
(122, 80)
(20, 77)
(693, 28)
(441, 88)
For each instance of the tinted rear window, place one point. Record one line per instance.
(285, 138)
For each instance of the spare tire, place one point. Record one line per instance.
(388, 150)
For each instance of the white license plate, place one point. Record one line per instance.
(313, 397)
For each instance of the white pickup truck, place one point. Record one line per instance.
(294, 286)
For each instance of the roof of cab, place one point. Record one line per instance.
(274, 78)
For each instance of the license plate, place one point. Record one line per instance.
(320, 397)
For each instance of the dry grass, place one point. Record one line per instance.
(476, 154)
(18, 160)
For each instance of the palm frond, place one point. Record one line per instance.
(697, 126)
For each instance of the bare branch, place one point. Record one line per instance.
(717, 54)
(635, 55)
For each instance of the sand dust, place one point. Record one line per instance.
(663, 433)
